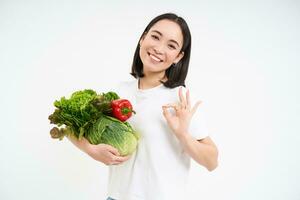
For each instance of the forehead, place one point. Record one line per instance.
(169, 29)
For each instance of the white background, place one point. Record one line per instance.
(244, 64)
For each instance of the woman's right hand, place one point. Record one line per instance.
(104, 153)
(107, 154)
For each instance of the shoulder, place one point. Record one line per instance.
(121, 85)
(175, 91)
(193, 93)
(125, 88)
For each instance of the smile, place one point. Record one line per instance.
(155, 58)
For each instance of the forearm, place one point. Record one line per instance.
(204, 154)
(82, 144)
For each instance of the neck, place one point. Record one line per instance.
(148, 82)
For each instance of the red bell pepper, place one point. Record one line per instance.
(121, 109)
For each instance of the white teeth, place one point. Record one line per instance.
(154, 58)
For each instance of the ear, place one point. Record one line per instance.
(179, 57)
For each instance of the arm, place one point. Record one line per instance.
(82, 144)
(102, 152)
(202, 151)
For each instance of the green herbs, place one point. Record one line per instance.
(77, 112)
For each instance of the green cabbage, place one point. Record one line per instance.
(112, 131)
(86, 114)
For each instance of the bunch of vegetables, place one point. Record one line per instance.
(100, 118)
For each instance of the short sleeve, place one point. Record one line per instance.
(125, 89)
(198, 127)
(120, 88)
(117, 87)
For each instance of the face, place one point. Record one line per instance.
(160, 47)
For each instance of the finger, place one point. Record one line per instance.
(121, 158)
(166, 113)
(195, 107)
(113, 150)
(114, 163)
(188, 99)
(181, 97)
(171, 105)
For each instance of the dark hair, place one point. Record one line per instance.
(176, 74)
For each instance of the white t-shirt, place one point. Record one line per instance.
(158, 169)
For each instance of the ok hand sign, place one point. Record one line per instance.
(179, 123)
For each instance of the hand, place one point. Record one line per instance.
(107, 154)
(179, 123)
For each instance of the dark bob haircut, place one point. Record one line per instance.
(176, 75)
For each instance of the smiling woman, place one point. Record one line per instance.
(171, 133)
(164, 51)
(161, 47)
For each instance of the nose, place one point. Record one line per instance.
(159, 49)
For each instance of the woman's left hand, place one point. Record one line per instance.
(179, 123)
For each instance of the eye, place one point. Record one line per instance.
(172, 46)
(154, 37)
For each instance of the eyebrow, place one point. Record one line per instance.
(162, 34)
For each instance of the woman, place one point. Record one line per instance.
(171, 130)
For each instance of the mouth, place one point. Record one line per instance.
(154, 57)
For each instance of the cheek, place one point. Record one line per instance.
(144, 47)
(172, 56)
(142, 52)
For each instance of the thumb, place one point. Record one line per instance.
(166, 113)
